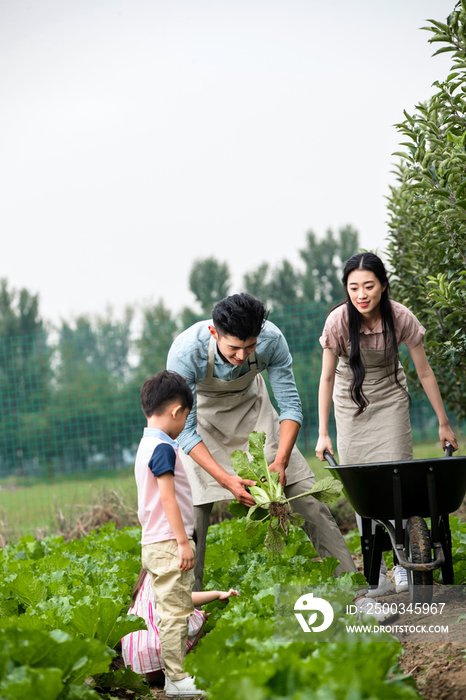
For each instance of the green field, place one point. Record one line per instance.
(23, 509)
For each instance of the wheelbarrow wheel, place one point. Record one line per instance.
(418, 551)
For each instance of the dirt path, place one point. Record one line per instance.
(438, 667)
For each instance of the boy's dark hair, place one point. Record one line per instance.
(162, 391)
(240, 315)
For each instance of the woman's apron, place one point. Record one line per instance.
(382, 433)
(227, 412)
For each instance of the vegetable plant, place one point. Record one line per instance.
(271, 504)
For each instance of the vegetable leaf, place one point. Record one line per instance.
(242, 466)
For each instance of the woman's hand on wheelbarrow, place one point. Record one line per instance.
(323, 443)
(446, 434)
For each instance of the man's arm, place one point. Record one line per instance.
(289, 430)
(233, 483)
(284, 388)
(179, 360)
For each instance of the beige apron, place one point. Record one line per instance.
(227, 411)
(383, 432)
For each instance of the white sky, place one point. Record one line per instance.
(137, 135)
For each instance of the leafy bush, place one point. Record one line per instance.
(240, 658)
(62, 612)
(62, 609)
(427, 210)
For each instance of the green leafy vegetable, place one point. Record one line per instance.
(271, 502)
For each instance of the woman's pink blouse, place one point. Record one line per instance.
(336, 333)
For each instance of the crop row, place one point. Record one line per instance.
(63, 612)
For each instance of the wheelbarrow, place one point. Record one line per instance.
(409, 491)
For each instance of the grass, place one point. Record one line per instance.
(23, 509)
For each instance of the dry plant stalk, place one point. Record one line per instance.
(109, 506)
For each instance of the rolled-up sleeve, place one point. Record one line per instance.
(283, 383)
(412, 331)
(189, 438)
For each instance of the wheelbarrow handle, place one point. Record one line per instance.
(448, 450)
(330, 458)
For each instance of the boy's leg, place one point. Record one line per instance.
(320, 526)
(172, 588)
(201, 525)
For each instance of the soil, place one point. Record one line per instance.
(438, 667)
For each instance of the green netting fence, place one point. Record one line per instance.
(70, 404)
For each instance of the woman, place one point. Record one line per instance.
(369, 387)
(141, 650)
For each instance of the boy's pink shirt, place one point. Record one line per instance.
(155, 526)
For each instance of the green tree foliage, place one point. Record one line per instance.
(24, 373)
(209, 281)
(324, 261)
(91, 387)
(256, 282)
(427, 209)
(320, 282)
(284, 286)
(157, 335)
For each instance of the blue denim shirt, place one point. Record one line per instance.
(189, 356)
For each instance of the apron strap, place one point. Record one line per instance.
(211, 361)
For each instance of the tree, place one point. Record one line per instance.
(427, 210)
(324, 262)
(25, 375)
(90, 410)
(158, 332)
(284, 286)
(255, 282)
(19, 312)
(209, 281)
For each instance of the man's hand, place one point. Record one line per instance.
(280, 468)
(186, 556)
(236, 485)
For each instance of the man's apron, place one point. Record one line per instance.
(227, 412)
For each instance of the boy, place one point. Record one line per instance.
(165, 512)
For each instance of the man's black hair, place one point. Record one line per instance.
(162, 391)
(241, 315)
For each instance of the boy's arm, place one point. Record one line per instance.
(166, 484)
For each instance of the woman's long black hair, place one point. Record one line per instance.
(372, 263)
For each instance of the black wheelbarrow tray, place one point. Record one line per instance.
(406, 492)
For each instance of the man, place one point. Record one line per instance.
(222, 361)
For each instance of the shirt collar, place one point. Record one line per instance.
(367, 331)
(156, 432)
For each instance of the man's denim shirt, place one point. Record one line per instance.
(189, 356)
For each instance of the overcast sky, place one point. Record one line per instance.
(138, 135)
